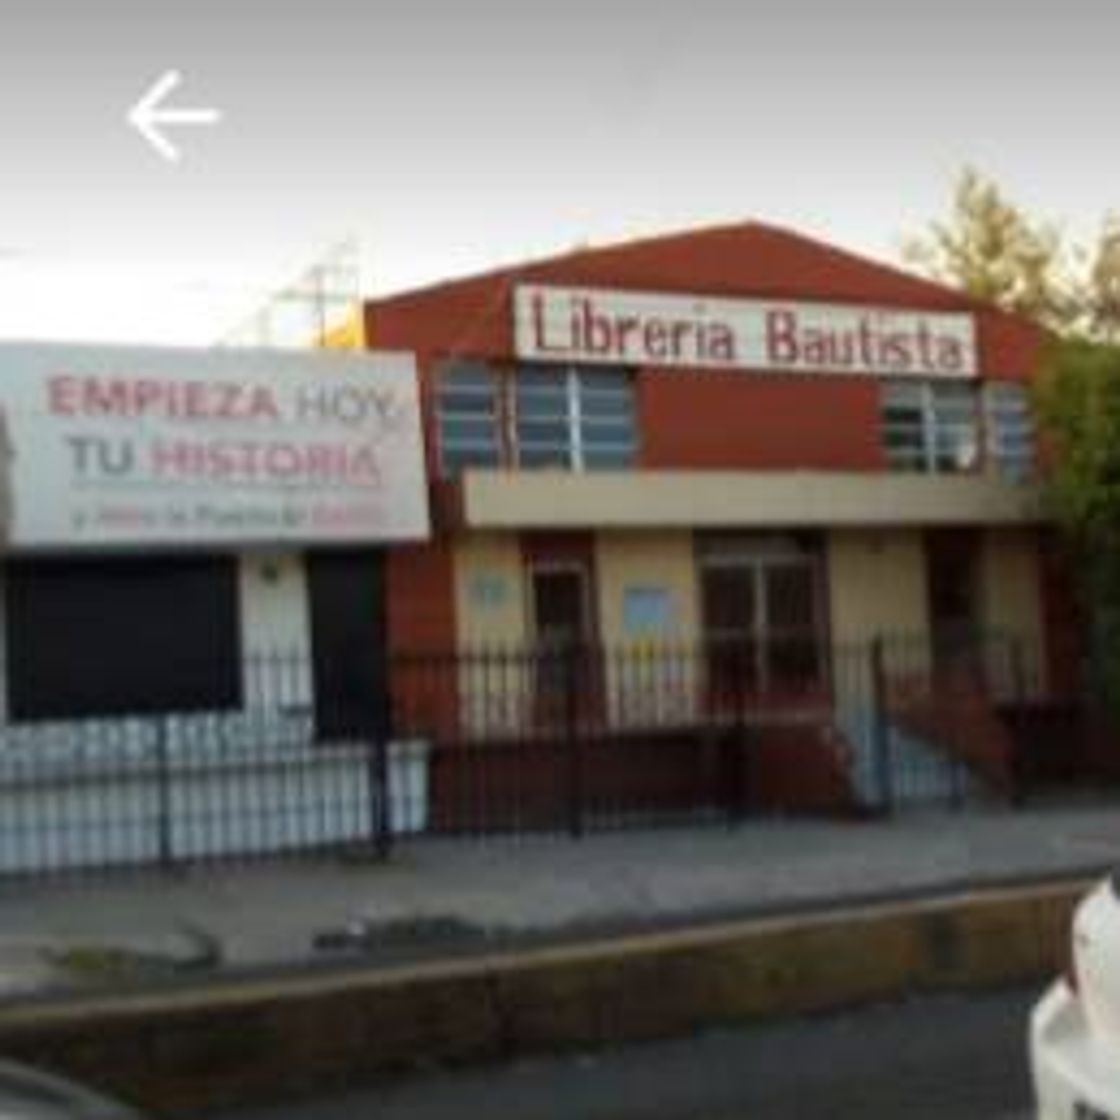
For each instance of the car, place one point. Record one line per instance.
(1075, 1026)
(32, 1094)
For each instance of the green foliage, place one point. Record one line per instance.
(988, 247)
(991, 248)
(1078, 402)
(1101, 289)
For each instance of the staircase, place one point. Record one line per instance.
(919, 774)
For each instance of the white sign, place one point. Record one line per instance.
(635, 328)
(104, 446)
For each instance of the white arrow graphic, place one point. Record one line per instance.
(149, 117)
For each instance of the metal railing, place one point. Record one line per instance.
(505, 740)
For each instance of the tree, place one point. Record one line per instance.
(992, 249)
(988, 247)
(1100, 290)
(1078, 402)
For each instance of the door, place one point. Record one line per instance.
(562, 629)
(763, 617)
(952, 567)
(560, 606)
(729, 594)
(346, 590)
(794, 629)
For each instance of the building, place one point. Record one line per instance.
(195, 649)
(705, 523)
(736, 439)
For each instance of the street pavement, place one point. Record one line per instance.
(962, 1057)
(440, 895)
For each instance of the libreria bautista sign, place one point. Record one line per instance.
(107, 446)
(642, 329)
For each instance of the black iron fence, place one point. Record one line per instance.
(564, 739)
(186, 788)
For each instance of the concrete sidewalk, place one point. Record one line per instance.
(444, 894)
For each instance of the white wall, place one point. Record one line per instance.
(275, 629)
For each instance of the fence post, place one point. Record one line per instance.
(165, 846)
(880, 726)
(738, 739)
(380, 811)
(1019, 763)
(569, 657)
(380, 728)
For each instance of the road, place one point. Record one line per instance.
(953, 1058)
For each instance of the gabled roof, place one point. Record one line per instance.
(744, 259)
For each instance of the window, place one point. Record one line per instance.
(930, 427)
(468, 409)
(763, 614)
(934, 427)
(569, 417)
(573, 417)
(545, 435)
(1010, 430)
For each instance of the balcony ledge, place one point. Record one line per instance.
(765, 499)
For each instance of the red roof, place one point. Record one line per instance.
(471, 315)
(744, 259)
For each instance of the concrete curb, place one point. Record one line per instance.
(260, 1040)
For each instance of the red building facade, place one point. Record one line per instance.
(732, 434)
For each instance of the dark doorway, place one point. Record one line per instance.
(346, 589)
(563, 630)
(953, 579)
(731, 630)
(122, 635)
(561, 614)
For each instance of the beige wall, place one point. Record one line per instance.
(877, 585)
(490, 600)
(656, 679)
(490, 596)
(681, 499)
(647, 560)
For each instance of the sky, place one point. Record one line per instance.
(450, 138)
